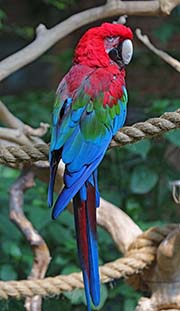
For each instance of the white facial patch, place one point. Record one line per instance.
(127, 51)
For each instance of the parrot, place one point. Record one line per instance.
(90, 107)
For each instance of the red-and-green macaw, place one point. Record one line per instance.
(90, 108)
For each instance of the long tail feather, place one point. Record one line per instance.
(92, 244)
(85, 222)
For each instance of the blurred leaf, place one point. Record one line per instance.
(165, 31)
(143, 179)
(159, 106)
(8, 172)
(75, 296)
(3, 16)
(60, 4)
(70, 269)
(60, 260)
(10, 248)
(129, 304)
(112, 196)
(133, 208)
(7, 273)
(25, 32)
(41, 101)
(173, 137)
(61, 235)
(103, 297)
(67, 219)
(9, 229)
(39, 216)
(142, 148)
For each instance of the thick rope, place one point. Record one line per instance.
(147, 129)
(140, 255)
(127, 135)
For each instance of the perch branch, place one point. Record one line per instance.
(13, 137)
(45, 38)
(36, 132)
(39, 247)
(168, 5)
(163, 279)
(8, 119)
(166, 57)
(121, 227)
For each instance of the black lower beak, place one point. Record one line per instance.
(115, 56)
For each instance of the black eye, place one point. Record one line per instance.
(110, 39)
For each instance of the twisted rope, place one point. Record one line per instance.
(127, 135)
(25, 153)
(140, 255)
(147, 129)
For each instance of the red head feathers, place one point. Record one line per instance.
(92, 49)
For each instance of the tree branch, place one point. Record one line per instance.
(39, 247)
(166, 57)
(9, 136)
(8, 119)
(45, 38)
(163, 278)
(121, 227)
(23, 133)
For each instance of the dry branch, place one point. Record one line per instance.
(39, 247)
(121, 227)
(8, 119)
(163, 55)
(45, 38)
(23, 133)
(163, 279)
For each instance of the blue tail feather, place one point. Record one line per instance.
(85, 223)
(92, 244)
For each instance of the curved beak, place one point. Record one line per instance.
(122, 54)
(127, 51)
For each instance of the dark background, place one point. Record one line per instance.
(135, 178)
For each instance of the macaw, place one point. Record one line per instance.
(89, 109)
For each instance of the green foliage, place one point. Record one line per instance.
(63, 60)
(77, 297)
(141, 148)
(32, 107)
(2, 18)
(159, 106)
(173, 137)
(167, 29)
(25, 32)
(60, 4)
(143, 179)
